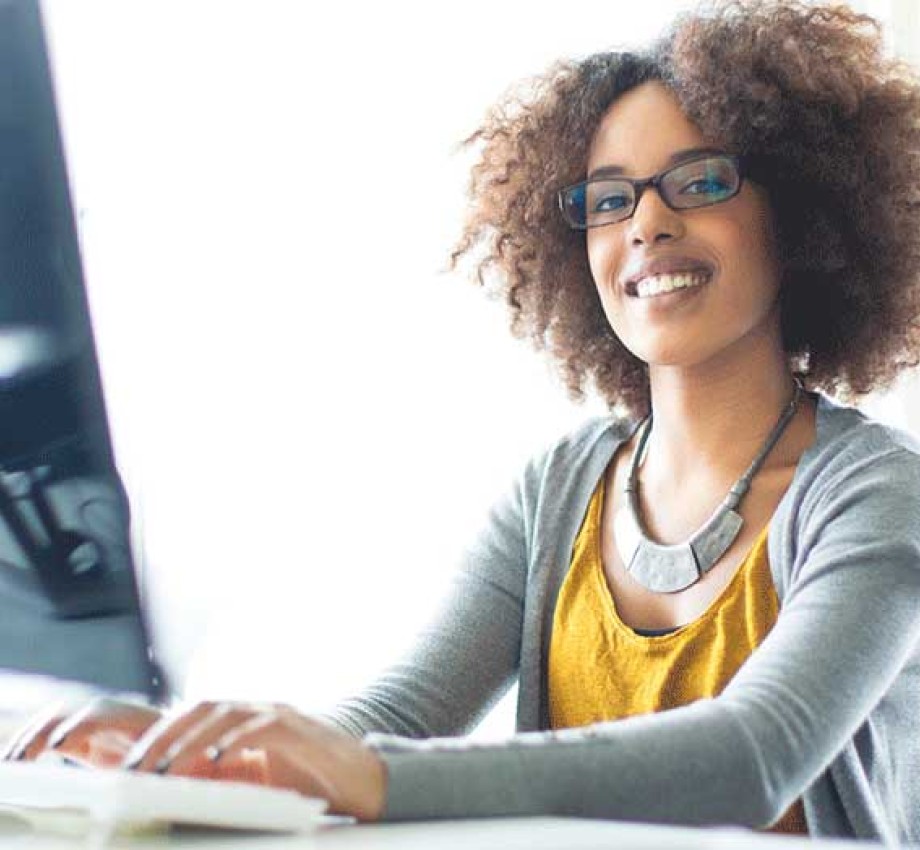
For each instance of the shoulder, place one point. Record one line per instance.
(578, 453)
(856, 489)
(854, 500)
(851, 447)
(559, 479)
(585, 439)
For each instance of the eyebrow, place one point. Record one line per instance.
(674, 159)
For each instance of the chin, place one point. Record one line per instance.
(671, 354)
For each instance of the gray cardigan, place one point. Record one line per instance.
(827, 708)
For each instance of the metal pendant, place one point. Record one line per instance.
(670, 568)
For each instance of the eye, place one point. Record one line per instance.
(709, 186)
(610, 202)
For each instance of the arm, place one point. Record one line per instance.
(849, 624)
(459, 666)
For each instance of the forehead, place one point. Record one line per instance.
(641, 130)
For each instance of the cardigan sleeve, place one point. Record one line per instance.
(468, 655)
(848, 628)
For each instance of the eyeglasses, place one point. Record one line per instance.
(709, 179)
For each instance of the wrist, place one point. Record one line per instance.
(376, 789)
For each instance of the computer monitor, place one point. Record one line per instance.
(69, 605)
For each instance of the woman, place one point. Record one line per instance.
(711, 598)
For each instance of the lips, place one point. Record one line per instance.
(689, 266)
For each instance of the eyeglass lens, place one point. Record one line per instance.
(699, 183)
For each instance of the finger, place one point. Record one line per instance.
(107, 713)
(100, 732)
(273, 740)
(104, 748)
(251, 715)
(106, 742)
(253, 729)
(313, 759)
(273, 715)
(243, 765)
(153, 744)
(251, 748)
(61, 726)
(30, 739)
(191, 753)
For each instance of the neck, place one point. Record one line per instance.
(710, 424)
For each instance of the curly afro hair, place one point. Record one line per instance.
(807, 93)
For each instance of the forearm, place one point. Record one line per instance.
(694, 765)
(700, 764)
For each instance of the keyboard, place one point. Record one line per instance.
(115, 799)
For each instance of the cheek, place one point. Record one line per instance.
(755, 256)
(756, 239)
(604, 258)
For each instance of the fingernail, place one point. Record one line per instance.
(59, 735)
(15, 753)
(133, 759)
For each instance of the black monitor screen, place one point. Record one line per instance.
(68, 595)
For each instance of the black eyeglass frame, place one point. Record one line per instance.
(740, 164)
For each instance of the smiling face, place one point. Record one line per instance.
(719, 261)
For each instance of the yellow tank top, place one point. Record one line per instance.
(601, 670)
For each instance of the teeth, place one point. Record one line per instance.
(659, 284)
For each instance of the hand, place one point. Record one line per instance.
(267, 744)
(99, 734)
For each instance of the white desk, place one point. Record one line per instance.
(503, 834)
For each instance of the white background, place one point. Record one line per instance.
(310, 411)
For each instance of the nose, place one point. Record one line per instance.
(653, 220)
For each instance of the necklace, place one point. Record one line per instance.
(669, 568)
